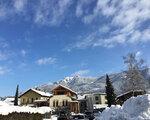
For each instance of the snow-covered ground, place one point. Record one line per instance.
(5, 109)
(135, 108)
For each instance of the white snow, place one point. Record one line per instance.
(5, 109)
(135, 108)
(10, 100)
(53, 117)
(97, 106)
(42, 93)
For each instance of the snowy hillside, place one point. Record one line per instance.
(89, 84)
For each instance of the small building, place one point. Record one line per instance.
(64, 97)
(33, 97)
(74, 106)
(99, 98)
(82, 103)
(87, 102)
(123, 97)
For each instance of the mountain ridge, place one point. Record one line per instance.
(83, 85)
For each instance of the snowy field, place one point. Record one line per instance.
(5, 109)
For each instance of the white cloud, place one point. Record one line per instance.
(81, 72)
(23, 52)
(81, 4)
(44, 12)
(3, 56)
(50, 12)
(46, 61)
(124, 23)
(138, 54)
(4, 70)
(19, 5)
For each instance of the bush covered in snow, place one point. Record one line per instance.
(135, 108)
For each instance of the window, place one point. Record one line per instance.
(23, 100)
(96, 98)
(32, 100)
(53, 103)
(56, 103)
(66, 102)
(63, 103)
(28, 100)
(61, 93)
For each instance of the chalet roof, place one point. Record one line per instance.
(42, 93)
(65, 88)
(129, 92)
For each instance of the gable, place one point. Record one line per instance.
(29, 93)
(63, 88)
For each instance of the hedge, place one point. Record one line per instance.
(22, 116)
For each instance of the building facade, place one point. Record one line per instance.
(99, 98)
(32, 97)
(64, 97)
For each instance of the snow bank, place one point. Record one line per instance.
(5, 109)
(135, 108)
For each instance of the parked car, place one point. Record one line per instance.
(63, 116)
(96, 112)
(79, 117)
(89, 115)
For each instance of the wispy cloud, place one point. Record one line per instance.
(138, 54)
(19, 5)
(4, 70)
(46, 61)
(23, 52)
(118, 22)
(81, 72)
(4, 49)
(44, 12)
(122, 23)
(3, 56)
(50, 12)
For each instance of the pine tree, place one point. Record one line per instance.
(16, 96)
(110, 95)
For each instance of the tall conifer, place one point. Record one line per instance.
(110, 95)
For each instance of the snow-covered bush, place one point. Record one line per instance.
(135, 108)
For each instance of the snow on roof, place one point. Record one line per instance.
(42, 93)
(65, 88)
(129, 92)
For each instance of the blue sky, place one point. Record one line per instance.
(46, 40)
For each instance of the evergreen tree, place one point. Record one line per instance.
(16, 96)
(110, 95)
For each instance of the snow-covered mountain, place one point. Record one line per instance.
(91, 84)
